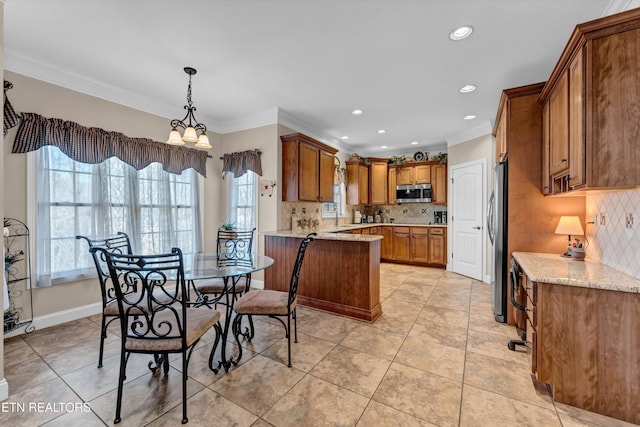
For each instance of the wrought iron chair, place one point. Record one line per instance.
(274, 304)
(156, 319)
(233, 247)
(118, 244)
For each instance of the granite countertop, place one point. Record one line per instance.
(341, 232)
(552, 268)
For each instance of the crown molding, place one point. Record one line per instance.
(482, 129)
(289, 120)
(263, 118)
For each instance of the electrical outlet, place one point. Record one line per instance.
(628, 220)
(424, 211)
(603, 219)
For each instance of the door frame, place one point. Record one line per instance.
(486, 278)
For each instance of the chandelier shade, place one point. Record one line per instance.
(189, 124)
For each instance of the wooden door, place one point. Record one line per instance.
(546, 176)
(387, 244)
(308, 172)
(402, 238)
(363, 184)
(325, 190)
(437, 244)
(559, 127)
(391, 186)
(420, 244)
(576, 122)
(378, 183)
(422, 174)
(439, 184)
(405, 175)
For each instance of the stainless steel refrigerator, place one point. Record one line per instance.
(497, 227)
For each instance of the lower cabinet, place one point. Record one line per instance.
(419, 245)
(388, 243)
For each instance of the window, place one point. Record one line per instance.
(242, 201)
(158, 211)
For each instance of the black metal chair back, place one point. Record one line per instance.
(295, 274)
(117, 244)
(156, 310)
(235, 246)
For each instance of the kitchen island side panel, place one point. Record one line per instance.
(339, 276)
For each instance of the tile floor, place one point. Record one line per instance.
(435, 357)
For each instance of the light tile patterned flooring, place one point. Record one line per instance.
(435, 357)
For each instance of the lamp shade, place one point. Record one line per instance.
(570, 225)
(203, 141)
(190, 135)
(174, 138)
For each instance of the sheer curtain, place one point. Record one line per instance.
(158, 211)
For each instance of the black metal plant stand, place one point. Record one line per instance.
(17, 265)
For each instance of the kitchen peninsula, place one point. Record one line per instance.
(340, 273)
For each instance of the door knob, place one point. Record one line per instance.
(477, 228)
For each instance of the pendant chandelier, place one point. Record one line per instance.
(191, 129)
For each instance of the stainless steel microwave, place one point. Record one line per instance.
(416, 193)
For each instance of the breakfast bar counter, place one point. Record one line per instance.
(340, 273)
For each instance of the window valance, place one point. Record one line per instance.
(239, 163)
(95, 145)
(11, 118)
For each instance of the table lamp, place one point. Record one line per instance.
(569, 225)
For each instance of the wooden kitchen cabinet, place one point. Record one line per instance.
(307, 169)
(387, 244)
(392, 182)
(597, 73)
(546, 176)
(502, 142)
(414, 174)
(420, 245)
(437, 246)
(378, 181)
(402, 243)
(357, 183)
(439, 184)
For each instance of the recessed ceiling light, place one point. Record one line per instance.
(382, 131)
(415, 143)
(469, 117)
(344, 137)
(357, 112)
(467, 88)
(461, 32)
(383, 147)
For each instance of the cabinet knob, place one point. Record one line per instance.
(546, 187)
(563, 160)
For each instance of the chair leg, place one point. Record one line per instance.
(122, 376)
(165, 363)
(103, 335)
(289, 339)
(185, 362)
(295, 325)
(218, 330)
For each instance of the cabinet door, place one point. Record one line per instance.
(437, 246)
(502, 147)
(423, 174)
(308, 172)
(420, 244)
(378, 183)
(405, 175)
(363, 185)
(559, 127)
(392, 182)
(576, 122)
(325, 191)
(387, 244)
(402, 239)
(439, 184)
(546, 176)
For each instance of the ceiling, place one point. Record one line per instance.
(304, 63)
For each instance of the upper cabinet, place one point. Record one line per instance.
(391, 185)
(591, 108)
(357, 183)
(307, 169)
(378, 181)
(415, 174)
(439, 184)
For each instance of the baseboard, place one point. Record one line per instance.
(4, 390)
(42, 322)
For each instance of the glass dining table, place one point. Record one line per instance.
(231, 271)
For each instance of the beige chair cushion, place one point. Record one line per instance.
(216, 286)
(263, 302)
(199, 321)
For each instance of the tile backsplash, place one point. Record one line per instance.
(409, 213)
(614, 239)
